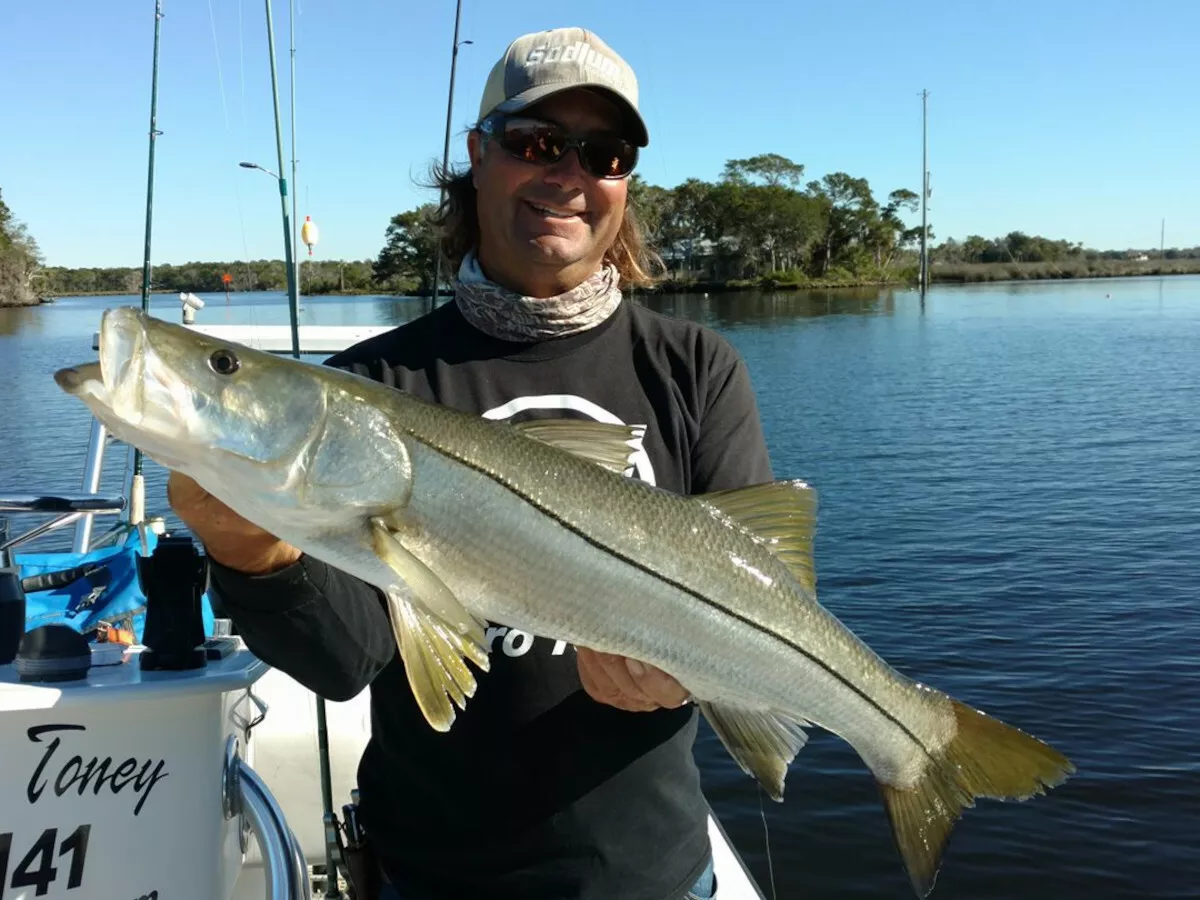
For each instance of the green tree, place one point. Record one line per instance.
(682, 229)
(651, 206)
(408, 254)
(850, 215)
(20, 261)
(770, 169)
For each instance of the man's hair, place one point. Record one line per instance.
(457, 220)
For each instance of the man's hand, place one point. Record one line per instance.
(626, 683)
(227, 537)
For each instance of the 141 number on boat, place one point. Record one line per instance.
(37, 868)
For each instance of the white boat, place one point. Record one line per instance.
(135, 783)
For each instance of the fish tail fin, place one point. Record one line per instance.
(985, 758)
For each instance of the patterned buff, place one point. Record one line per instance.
(510, 316)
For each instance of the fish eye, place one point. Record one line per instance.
(224, 362)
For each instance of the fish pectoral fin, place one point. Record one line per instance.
(425, 584)
(609, 446)
(782, 515)
(434, 661)
(763, 743)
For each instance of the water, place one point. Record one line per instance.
(1010, 511)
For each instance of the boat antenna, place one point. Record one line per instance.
(293, 299)
(137, 487)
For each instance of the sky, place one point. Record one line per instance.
(1075, 119)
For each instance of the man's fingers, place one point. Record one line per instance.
(606, 679)
(617, 668)
(657, 685)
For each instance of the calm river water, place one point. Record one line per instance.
(1010, 484)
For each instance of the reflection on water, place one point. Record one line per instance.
(18, 319)
(764, 309)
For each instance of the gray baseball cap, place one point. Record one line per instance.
(543, 63)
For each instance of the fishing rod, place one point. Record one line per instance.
(137, 487)
(437, 256)
(295, 183)
(293, 299)
(328, 820)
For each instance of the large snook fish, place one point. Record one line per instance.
(459, 520)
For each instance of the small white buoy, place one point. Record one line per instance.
(309, 233)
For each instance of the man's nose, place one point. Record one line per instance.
(567, 171)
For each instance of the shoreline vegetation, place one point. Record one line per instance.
(759, 226)
(940, 274)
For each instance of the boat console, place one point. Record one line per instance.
(127, 765)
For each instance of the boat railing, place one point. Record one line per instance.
(245, 794)
(66, 509)
(314, 339)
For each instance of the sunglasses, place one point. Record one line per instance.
(544, 143)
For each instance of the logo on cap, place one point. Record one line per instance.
(580, 51)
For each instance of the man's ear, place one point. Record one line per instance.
(475, 152)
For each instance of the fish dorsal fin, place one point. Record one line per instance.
(607, 445)
(435, 633)
(782, 515)
(762, 742)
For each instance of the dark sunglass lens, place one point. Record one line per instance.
(533, 143)
(610, 157)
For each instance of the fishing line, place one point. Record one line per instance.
(225, 113)
(767, 841)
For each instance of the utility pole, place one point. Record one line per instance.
(924, 190)
(1162, 240)
(437, 254)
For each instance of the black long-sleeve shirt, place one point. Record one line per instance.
(538, 791)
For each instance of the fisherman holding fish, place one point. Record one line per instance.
(570, 772)
(459, 488)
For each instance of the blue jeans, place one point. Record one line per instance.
(703, 889)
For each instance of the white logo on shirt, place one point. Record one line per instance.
(641, 459)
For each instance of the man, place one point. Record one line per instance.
(570, 773)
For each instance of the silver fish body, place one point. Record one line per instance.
(462, 521)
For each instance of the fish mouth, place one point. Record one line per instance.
(81, 379)
(123, 359)
(115, 387)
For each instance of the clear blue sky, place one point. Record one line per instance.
(1077, 119)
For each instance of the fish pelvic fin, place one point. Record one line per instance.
(609, 446)
(763, 743)
(434, 662)
(985, 758)
(424, 583)
(780, 515)
(435, 633)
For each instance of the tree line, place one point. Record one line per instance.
(316, 277)
(757, 220)
(760, 223)
(1018, 247)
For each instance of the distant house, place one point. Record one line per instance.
(700, 258)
